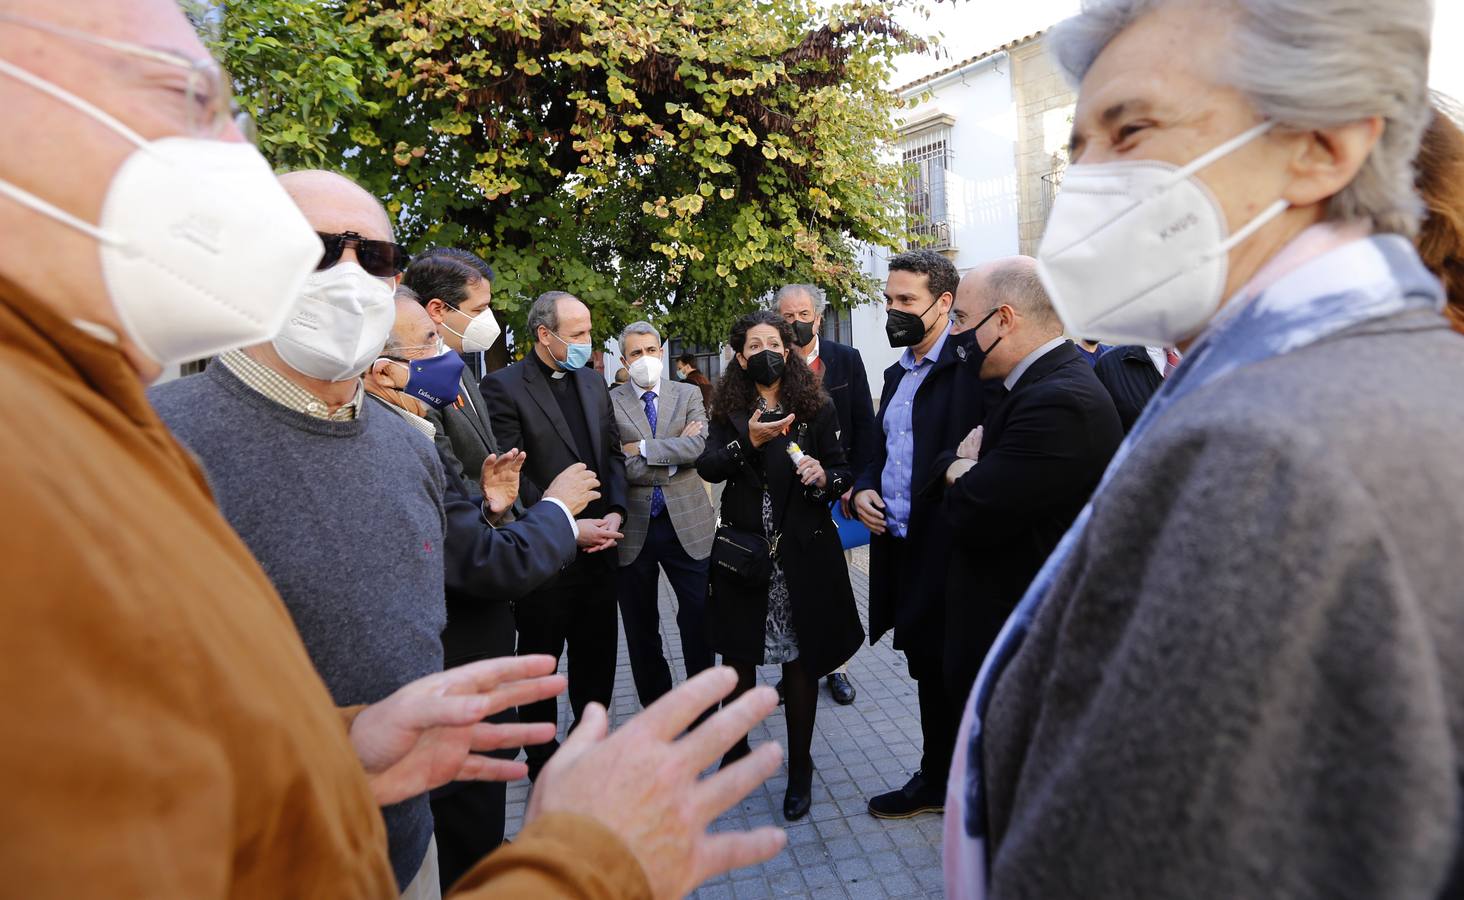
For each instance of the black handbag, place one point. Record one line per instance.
(743, 555)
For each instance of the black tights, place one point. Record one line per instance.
(800, 703)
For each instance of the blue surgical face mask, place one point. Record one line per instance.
(433, 380)
(577, 357)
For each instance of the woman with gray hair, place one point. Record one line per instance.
(1241, 674)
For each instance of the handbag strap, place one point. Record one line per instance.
(788, 498)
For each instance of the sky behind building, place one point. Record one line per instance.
(969, 27)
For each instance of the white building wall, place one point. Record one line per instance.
(981, 188)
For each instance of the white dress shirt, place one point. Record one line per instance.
(640, 394)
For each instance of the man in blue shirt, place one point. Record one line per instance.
(931, 399)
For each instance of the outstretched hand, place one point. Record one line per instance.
(500, 480)
(643, 782)
(424, 735)
(760, 432)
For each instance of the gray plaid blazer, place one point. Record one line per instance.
(677, 405)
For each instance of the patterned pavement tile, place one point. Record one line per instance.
(838, 851)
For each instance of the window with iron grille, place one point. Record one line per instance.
(1051, 185)
(927, 160)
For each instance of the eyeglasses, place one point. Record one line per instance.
(381, 258)
(210, 97)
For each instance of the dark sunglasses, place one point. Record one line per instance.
(381, 258)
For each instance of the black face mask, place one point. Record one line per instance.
(966, 350)
(907, 329)
(766, 367)
(987, 352)
(802, 333)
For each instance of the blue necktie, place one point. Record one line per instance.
(658, 499)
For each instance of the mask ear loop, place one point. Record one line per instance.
(1256, 224)
(1215, 154)
(1218, 153)
(27, 199)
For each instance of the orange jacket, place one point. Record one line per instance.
(162, 732)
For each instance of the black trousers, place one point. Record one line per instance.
(578, 613)
(639, 610)
(940, 713)
(468, 820)
(468, 816)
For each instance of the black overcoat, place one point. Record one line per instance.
(811, 556)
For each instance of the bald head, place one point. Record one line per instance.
(1005, 303)
(1011, 281)
(414, 334)
(335, 204)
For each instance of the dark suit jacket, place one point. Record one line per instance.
(524, 414)
(1131, 379)
(464, 434)
(810, 554)
(847, 384)
(912, 600)
(486, 570)
(1043, 451)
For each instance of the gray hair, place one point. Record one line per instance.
(637, 328)
(545, 311)
(814, 293)
(1311, 64)
(1019, 287)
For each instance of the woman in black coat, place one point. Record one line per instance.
(804, 618)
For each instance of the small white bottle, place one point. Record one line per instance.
(796, 453)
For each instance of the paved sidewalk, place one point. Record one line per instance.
(838, 850)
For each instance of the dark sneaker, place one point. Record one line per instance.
(916, 797)
(841, 688)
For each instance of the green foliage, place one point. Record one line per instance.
(671, 159)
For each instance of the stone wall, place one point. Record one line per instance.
(1044, 106)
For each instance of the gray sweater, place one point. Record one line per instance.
(1248, 680)
(346, 519)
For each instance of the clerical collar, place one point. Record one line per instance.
(549, 370)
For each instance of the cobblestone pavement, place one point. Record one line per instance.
(838, 850)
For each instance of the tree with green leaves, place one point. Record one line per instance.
(671, 159)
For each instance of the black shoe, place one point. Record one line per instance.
(799, 796)
(916, 797)
(739, 750)
(841, 688)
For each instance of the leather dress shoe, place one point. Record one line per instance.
(799, 796)
(916, 797)
(842, 688)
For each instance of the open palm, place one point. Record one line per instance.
(429, 732)
(500, 480)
